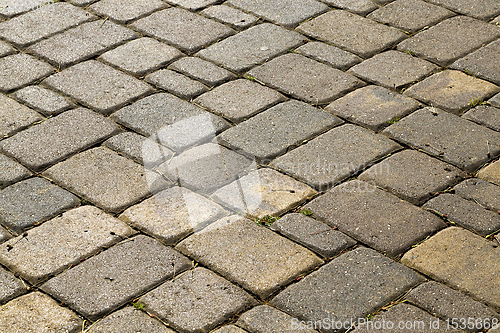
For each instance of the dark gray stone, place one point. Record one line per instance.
(482, 9)
(329, 55)
(11, 171)
(481, 63)
(485, 194)
(193, 4)
(177, 84)
(361, 7)
(14, 116)
(488, 116)
(6, 49)
(232, 16)
(202, 70)
(10, 287)
(43, 100)
(19, 70)
(124, 11)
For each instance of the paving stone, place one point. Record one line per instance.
(172, 214)
(58, 138)
(350, 287)
(462, 260)
(447, 303)
(19, 70)
(263, 192)
(410, 15)
(495, 100)
(98, 86)
(202, 70)
(6, 49)
(42, 23)
(125, 11)
(10, 287)
(351, 32)
(255, 257)
(43, 100)
(251, 47)
(14, 116)
(373, 107)
(11, 8)
(450, 39)
(229, 329)
(61, 243)
(485, 115)
(334, 156)
(393, 69)
(11, 171)
(141, 56)
(482, 9)
(182, 29)
(177, 84)
(278, 129)
(4, 234)
(444, 135)
(361, 7)
(413, 176)
(177, 123)
(240, 99)
(129, 320)
(315, 235)
(329, 55)
(287, 13)
(481, 192)
(491, 173)
(104, 178)
(481, 62)
(232, 16)
(496, 21)
(39, 313)
(32, 201)
(83, 3)
(193, 4)
(114, 277)
(304, 78)
(82, 42)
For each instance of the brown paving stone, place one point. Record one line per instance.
(19, 70)
(124, 11)
(491, 173)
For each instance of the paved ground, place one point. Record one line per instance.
(148, 148)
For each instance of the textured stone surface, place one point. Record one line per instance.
(19, 70)
(232, 16)
(229, 329)
(193, 4)
(252, 256)
(177, 84)
(114, 277)
(124, 11)
(488, 116)
(14, 116)
(11, 8)
(481, 192)
(43, 100)
(441, 134)
(4, 235)
(202, 70)
(481, 9)
(10, 287)
(265, 318)
(491, 173)
(6, 49)
(329, 55)
(481, 63)
(11, 171)
(361, 7)
(495, 100)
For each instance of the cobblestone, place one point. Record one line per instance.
(11, 171)
(232, 16)
(19, 70)
(485, 115)
(43, 100)
(491, 173)
(14, 116)
(6, 49)
(177, 84)
(480, 9)
(329, 55)
(10, 286)
(361, 7)
(481, 192)
(202, 70)
(125, 11)
(481, 63)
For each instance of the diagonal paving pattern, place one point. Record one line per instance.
(249, 166)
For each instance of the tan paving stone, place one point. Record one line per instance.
(491, 173)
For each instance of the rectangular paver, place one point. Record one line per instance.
(14, 116)
(124, 11)
(20, 69)
(481, 192)
(43, 100)
(202, 70)
(129, 319)
(11, 171)
(481, 63)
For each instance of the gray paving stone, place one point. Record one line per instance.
(202, 70)
(32, 201)
(410, 15)
(495, 100)
(114, 277)
(393, 69)
(42, 23)
(252, 256)
(11, 171)
(10, 8)
(10, 287)
(81, 2)
(193, 4)
(14, 116)
(177, 84)
(491, 173)
(482, 9)
(124, 11)
(58, 138)
(413, 176)
(481, 63)
(486, 115)
(373, 107)
(6, 49)
(229, 329)
(351, 32)
(462, 260)
(334, 156)
(350, 287)
(19, 70)
(4, 234)
(481, 192)
(278, 129)
(264, 318)
(43, 100)
(361, 7)
(98, 86)
(39, 313)
(450, 39)
(251, 47)
(104, 178)
(182, 29)
(61, 243)
(329, 55)
(315, 235)
(232, 16)
(304, 78)
(448, 137)
(141, 56)
(263, 192)
(171, 215)
(177, 123)
(287, 13)
(240, 99)
(82, 42)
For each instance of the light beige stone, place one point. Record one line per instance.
(491, 173)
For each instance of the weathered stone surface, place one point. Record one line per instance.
(6, 49)
(265, 318)
(329, 55)
(4, 234)
(19, 70)
(251, 47)
(58, 138)
(491, 173)
(482, 9)
(98, 86)
(495, 100)
(202, 70)
(334, 156)
(483, 193)
(10, 8)
(373, 107)
(352, 32)
(461, 259)
(114, 277)
(10, 287)
(350, 287)
(361, 7)
(193, 4)
(43, 100)
(304, 78)
(14, 116)
(177, 84)
(482, 62)
(486, 115)
(11, 171)
(124, 11)
(229, 329)
(444, 135)
(252, 256)
(232, 16)
(141, 56)
(274, 131)
(413, 176)
(31, 202)
(183, 29)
